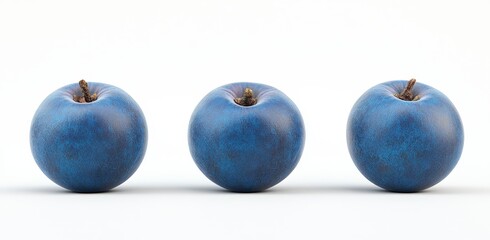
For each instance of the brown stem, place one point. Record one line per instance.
(86, 98)
(407, 94)
(247, 99)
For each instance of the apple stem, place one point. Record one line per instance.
(247, 99)
(407, 94)
(86, 98)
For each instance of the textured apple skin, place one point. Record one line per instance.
(404, 146)
(246, 149)
(89, 147)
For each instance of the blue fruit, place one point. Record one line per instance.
(404, 137)
(88, 143)
(246, 137)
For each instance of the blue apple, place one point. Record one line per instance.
(246, 137)
(404, 137)
(88, 142)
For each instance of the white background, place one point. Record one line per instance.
(168, 54)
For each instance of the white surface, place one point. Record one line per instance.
(322, 54)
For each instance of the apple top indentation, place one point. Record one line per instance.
(407, 94)
(247, 99)
(86, 98)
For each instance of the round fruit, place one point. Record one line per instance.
(246, 137)
(404, 139)
(88, 142)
